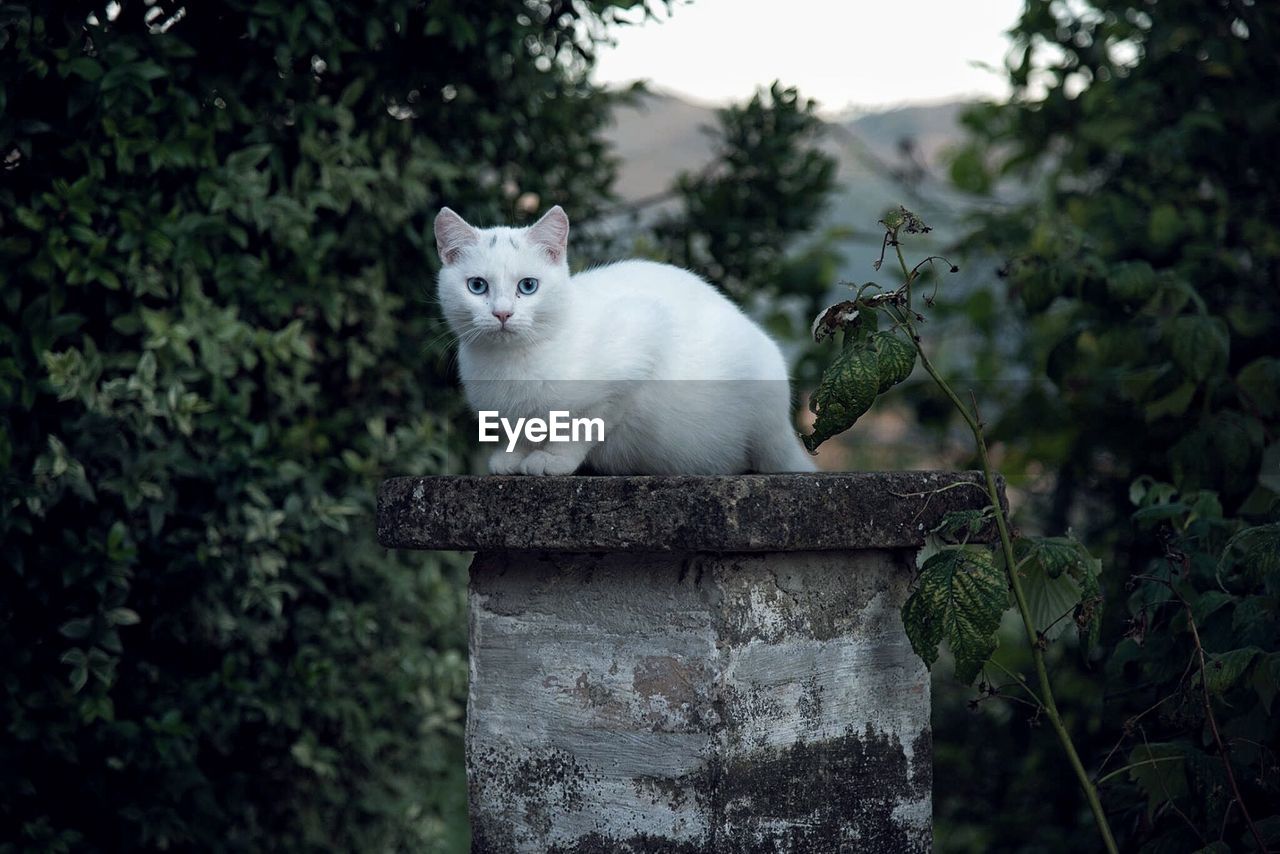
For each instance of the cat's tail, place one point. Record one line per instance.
(780, 451)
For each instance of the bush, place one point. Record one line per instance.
(214, 342)
(1146, 273)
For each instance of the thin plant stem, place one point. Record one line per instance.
(1156, 760)
(1213, 727)
(1047, 700)
(1019, 679)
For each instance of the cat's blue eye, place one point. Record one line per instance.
(527, 286)
(477, 285)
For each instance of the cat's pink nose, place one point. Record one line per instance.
(503, 316)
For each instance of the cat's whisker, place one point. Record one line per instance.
(444, 337)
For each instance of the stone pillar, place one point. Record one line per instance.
(690, 664)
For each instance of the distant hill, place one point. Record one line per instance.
(663, 135)
(933, 129)
(657, 139)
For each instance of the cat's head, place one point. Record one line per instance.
(503, 285)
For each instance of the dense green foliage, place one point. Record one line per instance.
(215, 250)
(1146, 272)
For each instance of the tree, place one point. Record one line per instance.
(740, 219)
(214, 341)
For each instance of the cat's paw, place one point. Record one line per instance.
(543, 463)
(504, 462)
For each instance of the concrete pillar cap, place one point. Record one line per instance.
(747, 513)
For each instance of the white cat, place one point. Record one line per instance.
(684, 382)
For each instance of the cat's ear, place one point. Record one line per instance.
(453, 234)
(551, 233)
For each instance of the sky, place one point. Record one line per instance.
(848, 54)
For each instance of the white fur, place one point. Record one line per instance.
(685, 382)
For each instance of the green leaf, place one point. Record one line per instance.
(82, 66)
(1209, 602)
(77, 629)
(1269, 830)
(960, 596)
(969, 170)
(1132, 281)
(1257, 550)
(1160, 772)
(897, 358)
(1200, 345)
(1218, 847)
(847, 389)
(1165, 225)
(1223, 670)
(79, 663)
(248, 158)
(1259, 386)
(962, 524)
(148, 70)
(1266, 679)
(1219, 454)
(29, 218)
(1060, 579)
(1055, 555)
(1051, 601)
(79, 678)
(1172, 404)
(123, 617)
(1146, 490)
(352, 93)
(1254, 620)
(1148, 517)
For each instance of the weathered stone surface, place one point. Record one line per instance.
(690, 664)
(698, 703)
(789, 512)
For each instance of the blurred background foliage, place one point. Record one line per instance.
(767, 184)
(1135, 362)
(216, 336)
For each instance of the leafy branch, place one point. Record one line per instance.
(963, 590)
(1205, 680)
